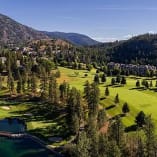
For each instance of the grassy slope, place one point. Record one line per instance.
(138, 100)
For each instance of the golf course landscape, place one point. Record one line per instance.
(139, 99)
(78, 79)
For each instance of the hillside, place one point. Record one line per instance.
(14, 32)
(141, 49)
(48, 45)
(74, 38)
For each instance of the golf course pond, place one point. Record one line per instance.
(22, 146)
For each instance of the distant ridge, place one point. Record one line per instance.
(74, 38)
(14, 32)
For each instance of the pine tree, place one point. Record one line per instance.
(123, 81)
(87, 90)
(96, 79)
(10, 83)
(92, 134)
(150, 141)
(103, 78)
(83, 145)
(137, 83)
(101, 118)
(74, 111)
(118, 79)
(125, 108)
(146, 84)
(52, 92)
(156, 84)
(93, 100)
(116, 131)
(107, 92)
(113, 149)
(116, 100)
(44, 86)
(140, 119)
(33, 84)
(19, 86)
(63, 90)
(103, 145)
(140, 147)
(113, 81)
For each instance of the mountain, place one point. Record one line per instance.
(14, 32)
(74, 38)
(140, 49)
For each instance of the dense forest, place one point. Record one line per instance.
(137, 50)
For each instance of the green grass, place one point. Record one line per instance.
(37, 124)
(138, 100)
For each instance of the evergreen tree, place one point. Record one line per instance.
(74, 111)
(52, 90)
(140, 119)
(150, 141)
(116, 100)
(87, 90)
(116, 132)
(113, 149)
(44, 86)
(33, 84)
(125, 108)
(83, 145)
(151, 84)
(10, 83)
(156, 84)
(143, 82)
(63, 90)
(103, 78)
(146, 84)
(101, 118)
(92, 133)
(96, 79)
(113, 81)
(140, 147)
(123, 81)
(103, 145)
(107, 92)
(137, 83)
(19, 85)
(93, 100)
(118, 79)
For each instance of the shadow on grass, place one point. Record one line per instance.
(102, 98)
(121, 115)
(118, 85)
(131, 128)
(138, 88)
(110, 107)
(153, 89)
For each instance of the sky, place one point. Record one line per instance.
(103, 20)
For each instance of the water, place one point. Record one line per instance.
(12, 125)
(22, 148)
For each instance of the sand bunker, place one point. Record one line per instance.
(5, 107)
